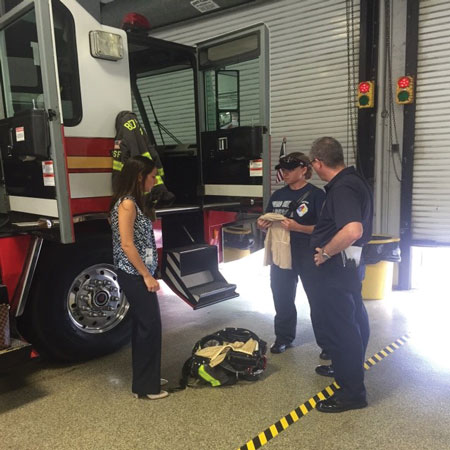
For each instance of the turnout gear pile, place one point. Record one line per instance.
(224, 357)
(132, 140)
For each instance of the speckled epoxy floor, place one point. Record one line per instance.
(89, 406)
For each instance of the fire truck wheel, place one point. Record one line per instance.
(77, 310)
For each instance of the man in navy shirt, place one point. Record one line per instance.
(300, 202)
(344, 226)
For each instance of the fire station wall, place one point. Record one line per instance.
(309, 79)
(389, 119)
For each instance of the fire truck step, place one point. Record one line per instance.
(193, 273)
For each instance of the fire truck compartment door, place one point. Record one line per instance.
(32, 151)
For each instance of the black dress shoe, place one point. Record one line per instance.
(334, 405)
(325, 371)
(279, 348)
(324, 355)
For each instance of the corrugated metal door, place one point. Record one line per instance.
(431, 180)
(309, 64)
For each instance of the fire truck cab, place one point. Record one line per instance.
(65, 77)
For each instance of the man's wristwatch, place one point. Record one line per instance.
(325, 255)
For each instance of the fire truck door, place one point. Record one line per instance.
(32, 152)
(234, 111)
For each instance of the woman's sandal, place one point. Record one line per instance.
(162, 394)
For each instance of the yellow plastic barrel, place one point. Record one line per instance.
(378, 280)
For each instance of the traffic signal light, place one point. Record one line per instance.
(365, 94)
(405, 90)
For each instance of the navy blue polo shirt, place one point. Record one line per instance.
(306, 213)
(349, 199)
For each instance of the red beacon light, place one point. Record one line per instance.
(135, 22)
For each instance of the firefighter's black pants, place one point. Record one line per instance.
(338, 291)
(284, 288)
(146, 334)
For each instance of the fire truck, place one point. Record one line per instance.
(65, 77)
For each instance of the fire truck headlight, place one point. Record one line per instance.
(105, 45)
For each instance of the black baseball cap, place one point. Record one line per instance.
(291, 162)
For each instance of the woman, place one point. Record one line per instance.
(300, 202)
(136, 260)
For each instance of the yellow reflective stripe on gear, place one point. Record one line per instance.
(207, 377)
(147, 155)
(161, 171)
(117, 165)
(159, 180)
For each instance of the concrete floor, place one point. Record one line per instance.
(89, 406)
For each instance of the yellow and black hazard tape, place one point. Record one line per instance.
(281, 425)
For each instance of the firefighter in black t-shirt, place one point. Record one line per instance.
(300, 202)
(344, 226)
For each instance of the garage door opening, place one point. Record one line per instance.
(427, 307)
(430, 269)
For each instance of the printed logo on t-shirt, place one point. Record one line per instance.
(281, 203)
(302, 210)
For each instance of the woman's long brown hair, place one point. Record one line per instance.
(132, 179)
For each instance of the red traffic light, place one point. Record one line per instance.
(405, 90)
(364, 87)
(365, 95)
(404, 82)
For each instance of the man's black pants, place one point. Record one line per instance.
(146, 334)
(284, 288)
(338, 290)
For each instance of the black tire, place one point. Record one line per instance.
(50, 322)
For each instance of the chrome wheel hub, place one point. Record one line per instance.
(95, 302)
